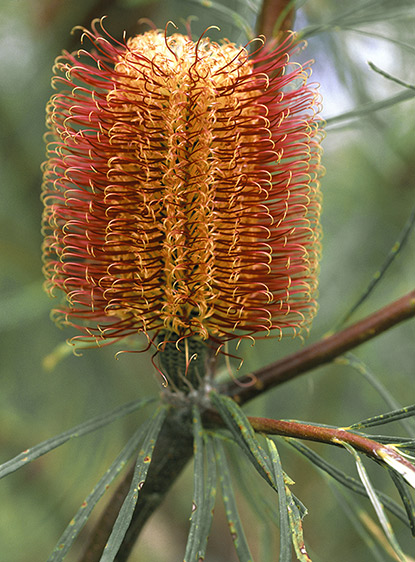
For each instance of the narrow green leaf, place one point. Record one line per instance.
(241, 430)
(232, 515)
(204, 481)
(390, 77)
(82, 429)
(390, 258)
(400, 442)
(72, 530)
(344, 479)
(139, 477)
(228, 14)
(296, 525)
(263, 507)
(285, 530)
(211, 487)
(360, 367)
(406, 498)
(376, 503)
(357, 516)
(365, 12)
(290, 517)
(388, 417)
(367, 108)
(193, 540)
(382, 36)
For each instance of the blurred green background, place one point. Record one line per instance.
(369, 191)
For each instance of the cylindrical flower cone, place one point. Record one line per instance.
(181, 189)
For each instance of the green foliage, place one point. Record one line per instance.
(389, 417)
(291, 510)
(72, 530)
(285, 503)
(348, 481)
(139, 477)
(204, 477)
(78, 431)
(377, 277)
(377, 505)
(229, 14)
(242, 432)
(232, 515)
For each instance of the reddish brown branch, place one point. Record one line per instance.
(322, 434)
(322, 351)
(387, 454)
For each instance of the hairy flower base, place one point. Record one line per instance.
(186, 363)
(181, 189)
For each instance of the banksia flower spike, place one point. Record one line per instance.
(181, 189)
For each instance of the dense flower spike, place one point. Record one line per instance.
(181, 188)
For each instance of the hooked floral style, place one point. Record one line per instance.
(181, 188)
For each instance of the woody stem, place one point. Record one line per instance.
(324, 351)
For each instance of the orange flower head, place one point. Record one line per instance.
(181, 189)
